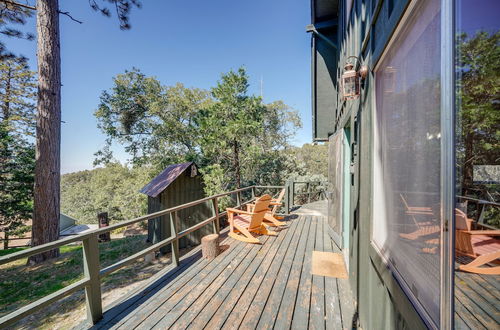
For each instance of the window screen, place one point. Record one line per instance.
(406, 196)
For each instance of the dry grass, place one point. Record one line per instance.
(21, 284)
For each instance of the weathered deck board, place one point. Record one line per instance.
(269, 313)
(300, 318)
(214, 279)
(169, 299)
(232, 317)
(260, 301)
(333, 319)
(141, 313)
(230, 294)
(286, 309)
(271, 286)
(316, 315)
(247, 286)
(477, 300)
(126, 307)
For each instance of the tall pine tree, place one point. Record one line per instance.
(17, 152)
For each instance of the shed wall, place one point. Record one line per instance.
(183, 190)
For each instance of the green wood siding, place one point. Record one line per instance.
(183, 190)
(381, 302)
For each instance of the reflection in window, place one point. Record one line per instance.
(477, 219)
(407, 137)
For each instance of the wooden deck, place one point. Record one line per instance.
(477, 300)
(248, 286)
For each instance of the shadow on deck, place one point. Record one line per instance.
(247, 286)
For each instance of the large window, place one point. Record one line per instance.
(477, 223)
(406, 156)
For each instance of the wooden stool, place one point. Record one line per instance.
(210, 246)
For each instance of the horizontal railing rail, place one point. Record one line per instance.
(481, 208)
(92, 271)
(308, 194)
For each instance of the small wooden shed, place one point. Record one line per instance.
(177, 184)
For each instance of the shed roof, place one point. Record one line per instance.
(164, 179)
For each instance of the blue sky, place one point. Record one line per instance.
(188, 41)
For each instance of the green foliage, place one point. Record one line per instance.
(313, 158)
(233, 136)
(230, 126)
(11, 17)
(17, 152)
(113, 189)
(17, 97)
(17, 162)
(479, 117)
(153, 122)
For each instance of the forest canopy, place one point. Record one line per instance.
(233, 136)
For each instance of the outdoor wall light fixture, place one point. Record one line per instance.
(351, 79)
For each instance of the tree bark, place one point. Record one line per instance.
(210, 246)
(468, 165)
(6, 105)
(48, 130)
(237, 165)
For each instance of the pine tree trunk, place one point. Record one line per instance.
(6, 105)
(237, 165)
(468, 166)
(48, 130)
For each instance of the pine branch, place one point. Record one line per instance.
(18, 4)
(8, 2)
(71, 17)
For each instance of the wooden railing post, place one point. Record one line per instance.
(175, 243)
(287, 196)
(238, 198)
(308, 192)
(254, 192)
(215, 208)
(91, 271)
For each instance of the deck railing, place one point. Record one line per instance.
(302, 192)
(91, 263)
(481, 207)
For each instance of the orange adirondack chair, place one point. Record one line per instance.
(482, 245)
(414, 211)
(270, 217)
(243, 223)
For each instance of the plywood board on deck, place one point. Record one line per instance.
(328, 264)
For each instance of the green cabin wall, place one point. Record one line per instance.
(381, 303)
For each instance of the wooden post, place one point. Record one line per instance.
(238, 198)
(175, 243)
(91, 269)
(210, 246)
(103, 221)
(5, 240)
(254, 192)
(215, 210)
(287, 196)
(308, 192)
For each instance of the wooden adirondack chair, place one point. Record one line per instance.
(414, 211)
(270, 217)
(482, 245)
(243, 223)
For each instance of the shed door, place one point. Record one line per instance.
(335, 185)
